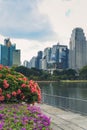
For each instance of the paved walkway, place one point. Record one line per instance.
(64, 120)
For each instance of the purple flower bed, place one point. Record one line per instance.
(23, 117)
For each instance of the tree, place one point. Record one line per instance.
(83, 73)
(65, 74)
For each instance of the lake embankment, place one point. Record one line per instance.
(64, 120)
(73, 81)
(70, 81)
(44, 81)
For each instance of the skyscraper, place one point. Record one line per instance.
(39, 57)
(33, 62)
(26, 64)
(8, 54)
(77, 53)
(47, 54)
(16, 57)
(3, 55)
(55, 57)
(59, 56)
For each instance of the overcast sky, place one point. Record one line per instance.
(36, 24)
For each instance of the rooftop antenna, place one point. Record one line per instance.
(57, 43)
(7, 42)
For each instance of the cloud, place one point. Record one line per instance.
(57, 10)
(22, 19)
(67, 0)
(29, 48)
(36, 24)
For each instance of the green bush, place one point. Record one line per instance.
(15, 86)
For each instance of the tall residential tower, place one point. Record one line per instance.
(77, 53)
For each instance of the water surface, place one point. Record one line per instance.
(68, 96)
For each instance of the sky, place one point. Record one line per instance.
(36, 24)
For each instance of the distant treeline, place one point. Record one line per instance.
(37, 74)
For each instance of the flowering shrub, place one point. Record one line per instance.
(23, 117)
(15, 86)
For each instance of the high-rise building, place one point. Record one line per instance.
(3, 55)
(52, 59)
(59, 57)
(8, 53)
(77, 52)
(44, 64)
(7, 42)
(63, 54)
(16, 57)
(39, 57)
(26, 64)
(47, 54)
(33, 62)
(55, 53)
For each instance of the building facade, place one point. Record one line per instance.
(8, 54)
(33, 62)
(26, 64)
(51, 58)
(16, 57)
(55, 57)
(38, 60)
(77, 52)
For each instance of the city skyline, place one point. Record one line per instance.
(35, 25)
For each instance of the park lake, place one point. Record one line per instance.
(71, 96)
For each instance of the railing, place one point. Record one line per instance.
(66, 103)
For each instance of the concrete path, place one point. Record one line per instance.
(64, 120)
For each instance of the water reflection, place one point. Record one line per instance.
(69, 96)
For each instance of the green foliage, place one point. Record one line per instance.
(83, 73)
(65, 74)
(15, 86)
(33, 73)
(37, 74)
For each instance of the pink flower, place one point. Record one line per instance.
(25, 79)
(2, 98)
(23, 97)
(1, 66)
(33, 90)
(8, 96)
(19, 91)
(14, 93)
(6, 67)
(5, 84)
(23, 85)
(0, 91)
